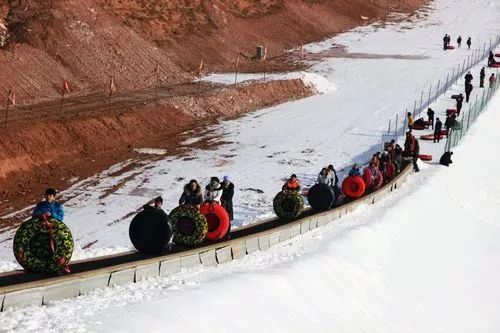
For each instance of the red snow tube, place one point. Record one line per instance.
(429, 137)
(217, 219)
(495, 65)
(390, 171)
(450, 47)
(367, 177)
(379, 180)
(425, 157)
(353, 187)
(450, 112)
(497, 55)
(443, 133)
(417, 128)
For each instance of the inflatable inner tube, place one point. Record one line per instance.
(43, 246)
(321, 197)
(189, 226)
(450, 47)
(425, 157)
(378, 180)
(429, 137)
(367, 177)
(495, 65)
(353, 187)
(450, 112)
(288, 204)
(217, 220)
(150, 231)
(390, 171)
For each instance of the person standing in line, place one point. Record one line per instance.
(468, 91)
(49, 207)
(493, 80)
(469, 42)
(437, 130)
(430, 117)
(213, 190)
(459, 41)
(482, 76)
(445, 42)
(460, 101)
(226, 199)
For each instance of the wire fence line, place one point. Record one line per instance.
(470, 116)
(430, 95)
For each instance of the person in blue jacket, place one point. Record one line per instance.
(355, 171)
(49, 206)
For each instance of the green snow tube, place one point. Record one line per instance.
(189, 226)
(43, 246)
(288, 204)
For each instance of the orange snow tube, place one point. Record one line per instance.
(353, 187)
(217, 219)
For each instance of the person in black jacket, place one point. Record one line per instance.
(460, 102)
(192, 194)
(469, 42)
(482, 76)
(226, 199)
(437, 130)
(430, 117)
(491, 59)
(468, 91)
(468, 77)
(157, 203)
(446, 158)
(459, 41)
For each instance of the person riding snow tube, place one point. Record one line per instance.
(321, 196)
(150, 231)
(189, 226)
(43, 245)
(288, 204)
(217, 220)
(353, 187)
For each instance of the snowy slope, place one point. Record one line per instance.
(425, 259)
(341, 126)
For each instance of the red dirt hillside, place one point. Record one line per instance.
(89, 41)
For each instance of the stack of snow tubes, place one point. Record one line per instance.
(150, 231)
(288, 204)
(43, 245)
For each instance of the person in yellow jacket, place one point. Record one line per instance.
(411, 121)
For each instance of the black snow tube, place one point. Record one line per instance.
(321, 197)
(189, 226)
(150, 231)
(288, 204)
(43, 246)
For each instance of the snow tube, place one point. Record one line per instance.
(378, 181)
(367, 177)
(450, 47)
(429, 137)
(288, 204)
(425, 157)
(43, 246)
(497, 55)
(443, 133)
(321, 197)
(217, 220)
(390, 171)
(305, 192)
(495, 65)
(150, 231)
(353, 187)
(450, 112)
(189, 226)
(417, 127)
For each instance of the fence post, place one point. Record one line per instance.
(458, 72)
(468, 62)
(414, 108)
(446, 85)
(463, 67)
(429, 100)
(437, 90)
(389, 129)
(396, 126)
(404, 124)
(421, 101)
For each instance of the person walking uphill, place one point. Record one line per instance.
(430, 117)
(49, 206)
(493, 80)
(459, 41)
(192, 194)
(437, 130)
(213, 191)
(460, 102)
(469, 42)
(468, 78)
(482, 76)
(292, 184)
(226, 199)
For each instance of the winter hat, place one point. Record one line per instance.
(225, 179)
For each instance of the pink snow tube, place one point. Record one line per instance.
(367, 177)
(450, 47)
(495, 65)
(378, 180)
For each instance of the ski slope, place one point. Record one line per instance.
(425, 259)
(340, 126)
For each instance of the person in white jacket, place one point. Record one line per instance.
(213, 191)
(324, 177)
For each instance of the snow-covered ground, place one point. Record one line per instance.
(341, 126)
(424, 259)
